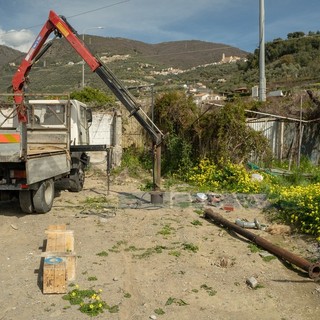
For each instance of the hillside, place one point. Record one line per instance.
(176, 54)
(291, 64)
(8, 55)
(131, 60)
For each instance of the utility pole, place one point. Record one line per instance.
(83, 62)
(262, 77)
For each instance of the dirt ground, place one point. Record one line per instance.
(161, 258)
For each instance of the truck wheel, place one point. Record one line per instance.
(77, 177)
(25, 199)
(43, 197)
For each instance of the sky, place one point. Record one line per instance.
(230, 22)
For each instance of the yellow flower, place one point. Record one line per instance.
(91, 306)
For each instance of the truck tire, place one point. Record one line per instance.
(43, 197)
(76, 179)
(25, 199)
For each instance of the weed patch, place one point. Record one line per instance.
(89, 301)
(190, 247)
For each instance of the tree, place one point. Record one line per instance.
(95, 97)
(236, 141)
(214, 132)
(297, 34)
(175, 112)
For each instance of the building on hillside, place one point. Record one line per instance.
(199, 98)
(207, 98)
(230, 59)
(276, 93)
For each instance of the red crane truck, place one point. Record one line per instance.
(33, 152)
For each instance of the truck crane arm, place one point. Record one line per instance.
(61, 28)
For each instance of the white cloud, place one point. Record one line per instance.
(20, 40)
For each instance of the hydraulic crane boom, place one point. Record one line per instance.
(61, 28)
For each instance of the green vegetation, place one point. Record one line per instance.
(290, 62)
(159, 311)
(176, 301)
(196, 223)
(89, 301)
(268, 258)
(295, 59)
(220, 134)
(209, 290)
(102, 254)
(299, 206)
(295, 196)
(96, 202)
(150, 251)
(190, 247)
(95, 97)
(166, 230)
(116, 248)
(175, 253)
(136, 162)
(253, 248)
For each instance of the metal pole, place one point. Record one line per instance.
(108, 169)
(83, 62)
(262, 86)
(312, 269)
(157, 167)
(300, 135)
(154, 150)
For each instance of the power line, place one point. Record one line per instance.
(85, 12)
(104, 7)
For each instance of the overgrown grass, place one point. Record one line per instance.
(296, 196)
(135, 161)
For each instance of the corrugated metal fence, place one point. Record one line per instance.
(290, 139)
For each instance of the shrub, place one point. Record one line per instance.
(300, 206)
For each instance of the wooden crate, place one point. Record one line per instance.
(60, 259)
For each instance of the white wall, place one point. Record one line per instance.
(106, 129)
(101, 130)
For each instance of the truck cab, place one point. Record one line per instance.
(56, 114)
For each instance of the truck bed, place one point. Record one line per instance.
(47, 152)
